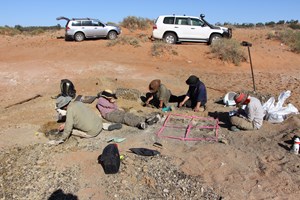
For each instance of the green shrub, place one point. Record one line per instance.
(134, 23)
(229, 50)
(160, 48)
(123, 40)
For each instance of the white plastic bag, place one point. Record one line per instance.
(275, 112)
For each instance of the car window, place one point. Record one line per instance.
(87, 23)
(181, 21)
(95, 23)
(169, 20)
(76, 23)
(196, 22)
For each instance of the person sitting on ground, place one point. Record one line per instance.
(109, 110)
(159, 95)
(250, 118)
(80, 120)
(196, 96)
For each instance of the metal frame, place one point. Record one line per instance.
(188, 128)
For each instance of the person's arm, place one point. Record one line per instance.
(149, 99)
(197, 107)
(250, 112)
(68, 127)
(184, 100)
(161, 103)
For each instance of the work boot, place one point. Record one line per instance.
(115, 126)
(142, 125)
(154, 119)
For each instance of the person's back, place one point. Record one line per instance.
(255, 112)
(81, 117)
(163, 94)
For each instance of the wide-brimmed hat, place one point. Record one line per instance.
(63, 101)
(154, 85)
(240, 98)
(192, 80)
(108, 94)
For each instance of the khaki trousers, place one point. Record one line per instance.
(242, 123)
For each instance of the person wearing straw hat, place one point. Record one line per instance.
(196, 96)
(80, 120)
(249, 118)
(109, 110)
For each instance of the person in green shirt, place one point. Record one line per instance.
(159, 95)
(81, 120)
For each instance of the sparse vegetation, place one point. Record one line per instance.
(30, 30)
(229, 50)
(134, 23)
(124, 40)
(160, 48)
(288, 37)
(9, 31)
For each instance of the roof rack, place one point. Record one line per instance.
(87, 18)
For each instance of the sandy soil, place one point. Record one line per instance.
(246, 165)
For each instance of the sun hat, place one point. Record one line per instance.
(192, 80)
(240, 98)
(154, 85)
(63, 101)
(108, 94)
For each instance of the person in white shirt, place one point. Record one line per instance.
(251, 118)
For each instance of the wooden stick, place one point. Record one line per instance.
(24, 101)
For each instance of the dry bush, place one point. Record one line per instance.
(160, 48)
(229, 50)
(288, 37)
(9, 31)
(134, 23)
(124, 40)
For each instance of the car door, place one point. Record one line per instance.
(87, 28)
(182, 28)
(99, 29)
(199, 30)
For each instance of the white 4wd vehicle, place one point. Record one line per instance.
(181, 28)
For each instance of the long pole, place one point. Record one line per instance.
(251, 69)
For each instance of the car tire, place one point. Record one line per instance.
(213, 38)
(170, 38)
(112, 35)
(78, 37)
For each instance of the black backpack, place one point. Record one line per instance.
(67, 88)
(110, 159)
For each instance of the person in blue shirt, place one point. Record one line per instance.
(196, 96)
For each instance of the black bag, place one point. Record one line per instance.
(110, 159)
(67, 88)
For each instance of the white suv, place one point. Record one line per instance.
(181, 28)
(79, 29)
